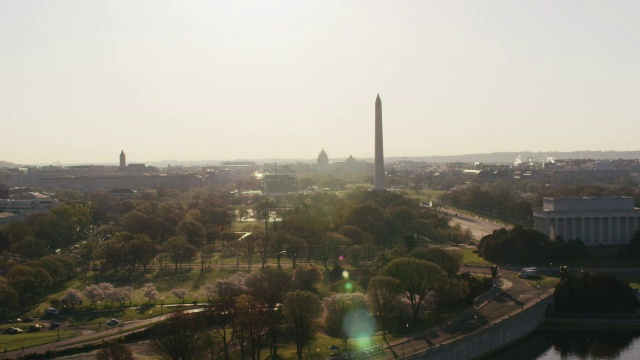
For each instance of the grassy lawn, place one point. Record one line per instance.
(471, 258)
(545, 282)
(423, 196)
(44, 336)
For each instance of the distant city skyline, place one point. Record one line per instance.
(197, 80)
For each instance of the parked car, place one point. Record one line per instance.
(11, 321)
(113, 322)
(51, 311)
(29, 319)
(13, 330)
(54, 324)
(35, 328)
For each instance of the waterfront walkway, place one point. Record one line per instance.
(513, 296)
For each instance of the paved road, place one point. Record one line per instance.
(106, 333)
(515, 293)
(479, 227)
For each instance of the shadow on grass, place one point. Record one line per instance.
(124, 277)
(170, 279)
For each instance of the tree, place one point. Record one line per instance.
(180, 337)
(178, 250)
(115, 252)
(206, 253)
(301, 309)
(8, 298)
(192, 230)
(92, 293)
(208, 290)
(71, 297)
(268, 287)
(346, 316)
(113, 350)
(595, 293)
(448, 260)
(330, 247)
(418, 279)
(28, 282)
(227, 291)
(143, 250)
(251, 322)
(180, 293)
(30, 248)
(383, 293)
(149, 291)
(248, 244)
(54, 267)
(262, 211)
(306, 278)
(121, 295)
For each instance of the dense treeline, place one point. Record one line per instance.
(527, 246)
(595, 293)
(516, 201)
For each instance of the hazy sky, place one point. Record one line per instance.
(193, 80)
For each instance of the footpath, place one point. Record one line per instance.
(487, 309)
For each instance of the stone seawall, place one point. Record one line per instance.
(494, 337)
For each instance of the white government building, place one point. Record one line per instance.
(596, 220)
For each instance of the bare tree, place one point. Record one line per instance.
(268, 287)
(301, 309)
(383, 293)
(113, 350)
(180, 337)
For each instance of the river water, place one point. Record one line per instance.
(573, 346)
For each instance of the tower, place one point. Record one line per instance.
(123, 161)
(378, 172)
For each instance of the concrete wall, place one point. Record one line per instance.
(491, 338)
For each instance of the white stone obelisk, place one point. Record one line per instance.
(378, 172)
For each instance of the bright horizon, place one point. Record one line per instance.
(82, 80)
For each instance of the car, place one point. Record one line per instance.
(11, 321)
(51, 311)
(113, 322)
(29, 319)
(54, 324)
(35, 328)
(13, 331)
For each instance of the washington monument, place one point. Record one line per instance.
(378, 172)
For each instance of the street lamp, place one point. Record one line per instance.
(538, 290)
(406, 335)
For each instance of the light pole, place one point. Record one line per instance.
(150, 317)
(538, 290)
(162, 305)
(406, 335)
(318, 353)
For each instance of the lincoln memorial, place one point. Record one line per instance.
(596, 220)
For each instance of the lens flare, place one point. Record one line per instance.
(359, 324)
(348, 286)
